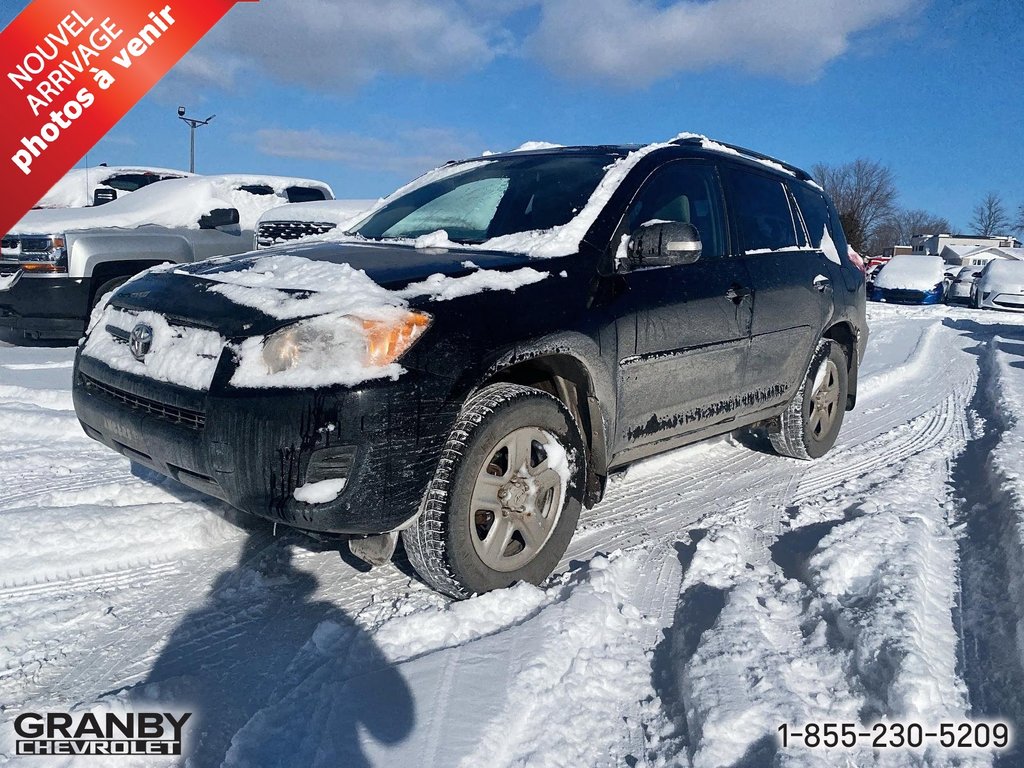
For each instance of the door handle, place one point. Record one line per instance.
(737, 293)
(822, 283)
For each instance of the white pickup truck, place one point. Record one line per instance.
(55, 264)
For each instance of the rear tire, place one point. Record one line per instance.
(503, 503)
(809, 426)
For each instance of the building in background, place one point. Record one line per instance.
(933, 244)
(980, 255)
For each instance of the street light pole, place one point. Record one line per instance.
(193, 123)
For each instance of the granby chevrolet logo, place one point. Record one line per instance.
(131, 733)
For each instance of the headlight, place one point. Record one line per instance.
(323, 342)
(42, 253)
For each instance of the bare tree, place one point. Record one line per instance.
(990, 217)
(1019, 226)
(864, 192)
(902, 225)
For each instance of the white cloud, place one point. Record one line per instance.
(339, 45)
(409, 152)
(635, 42)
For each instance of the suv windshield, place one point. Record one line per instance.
(493, 198)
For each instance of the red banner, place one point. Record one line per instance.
(70, 69)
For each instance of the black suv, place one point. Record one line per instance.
(468, 364)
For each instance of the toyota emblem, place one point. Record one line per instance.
(140, 341)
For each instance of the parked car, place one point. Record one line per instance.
(100, 184)
(999, 285)
(910, 279)
(959, 288)
(870, 276)
(299, 220)
(56, 264)
(466, 367)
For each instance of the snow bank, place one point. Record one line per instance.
(912, 272)
(529, 677)
(172, 203)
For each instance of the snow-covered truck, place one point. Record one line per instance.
(55, 264)
(101, 184)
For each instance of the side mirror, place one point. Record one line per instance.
(101, 196)
(219, 218)
(664, 244)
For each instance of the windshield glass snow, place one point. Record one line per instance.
(504, 197)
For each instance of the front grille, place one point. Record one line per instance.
(275, 232)
(909, 297)
(172, 413)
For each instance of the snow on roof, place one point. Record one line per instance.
(1005, 268)
(339, 212)
(172, 203)
(911, 271)
(530, 146)
(76, 188)
(713, 145)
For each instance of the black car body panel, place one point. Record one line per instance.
(648, 358)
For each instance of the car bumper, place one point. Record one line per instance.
(253, 448)
(1012, 302)
(48, 307)
(905, 296)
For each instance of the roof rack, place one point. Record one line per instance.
(800, 173)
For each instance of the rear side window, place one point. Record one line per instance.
(686, 192)
(815, 213)
(304, 194)
(257, 189)
(760, 206)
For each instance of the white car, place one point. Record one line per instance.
(959, 288)
(295, 221)
(1000, 286)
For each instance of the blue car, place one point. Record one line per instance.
(911, 279)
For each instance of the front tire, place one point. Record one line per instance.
(506, 495)
(809, 426)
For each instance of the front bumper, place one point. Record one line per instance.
(252, 448)
(50, 307)
(1011, 302)
(906, 296)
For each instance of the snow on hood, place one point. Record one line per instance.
(286, 286)
(331, 302)
(911, 272)
(172, 203)
(341, 213)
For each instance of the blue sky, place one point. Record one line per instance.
(367, 95)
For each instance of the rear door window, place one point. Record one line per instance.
(815, 213)
(760, 208)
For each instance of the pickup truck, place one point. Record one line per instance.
(55, 264)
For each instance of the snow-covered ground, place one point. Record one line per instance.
(717, 593)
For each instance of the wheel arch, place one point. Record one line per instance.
(844, 334)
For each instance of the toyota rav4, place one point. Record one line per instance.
(466, 366)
